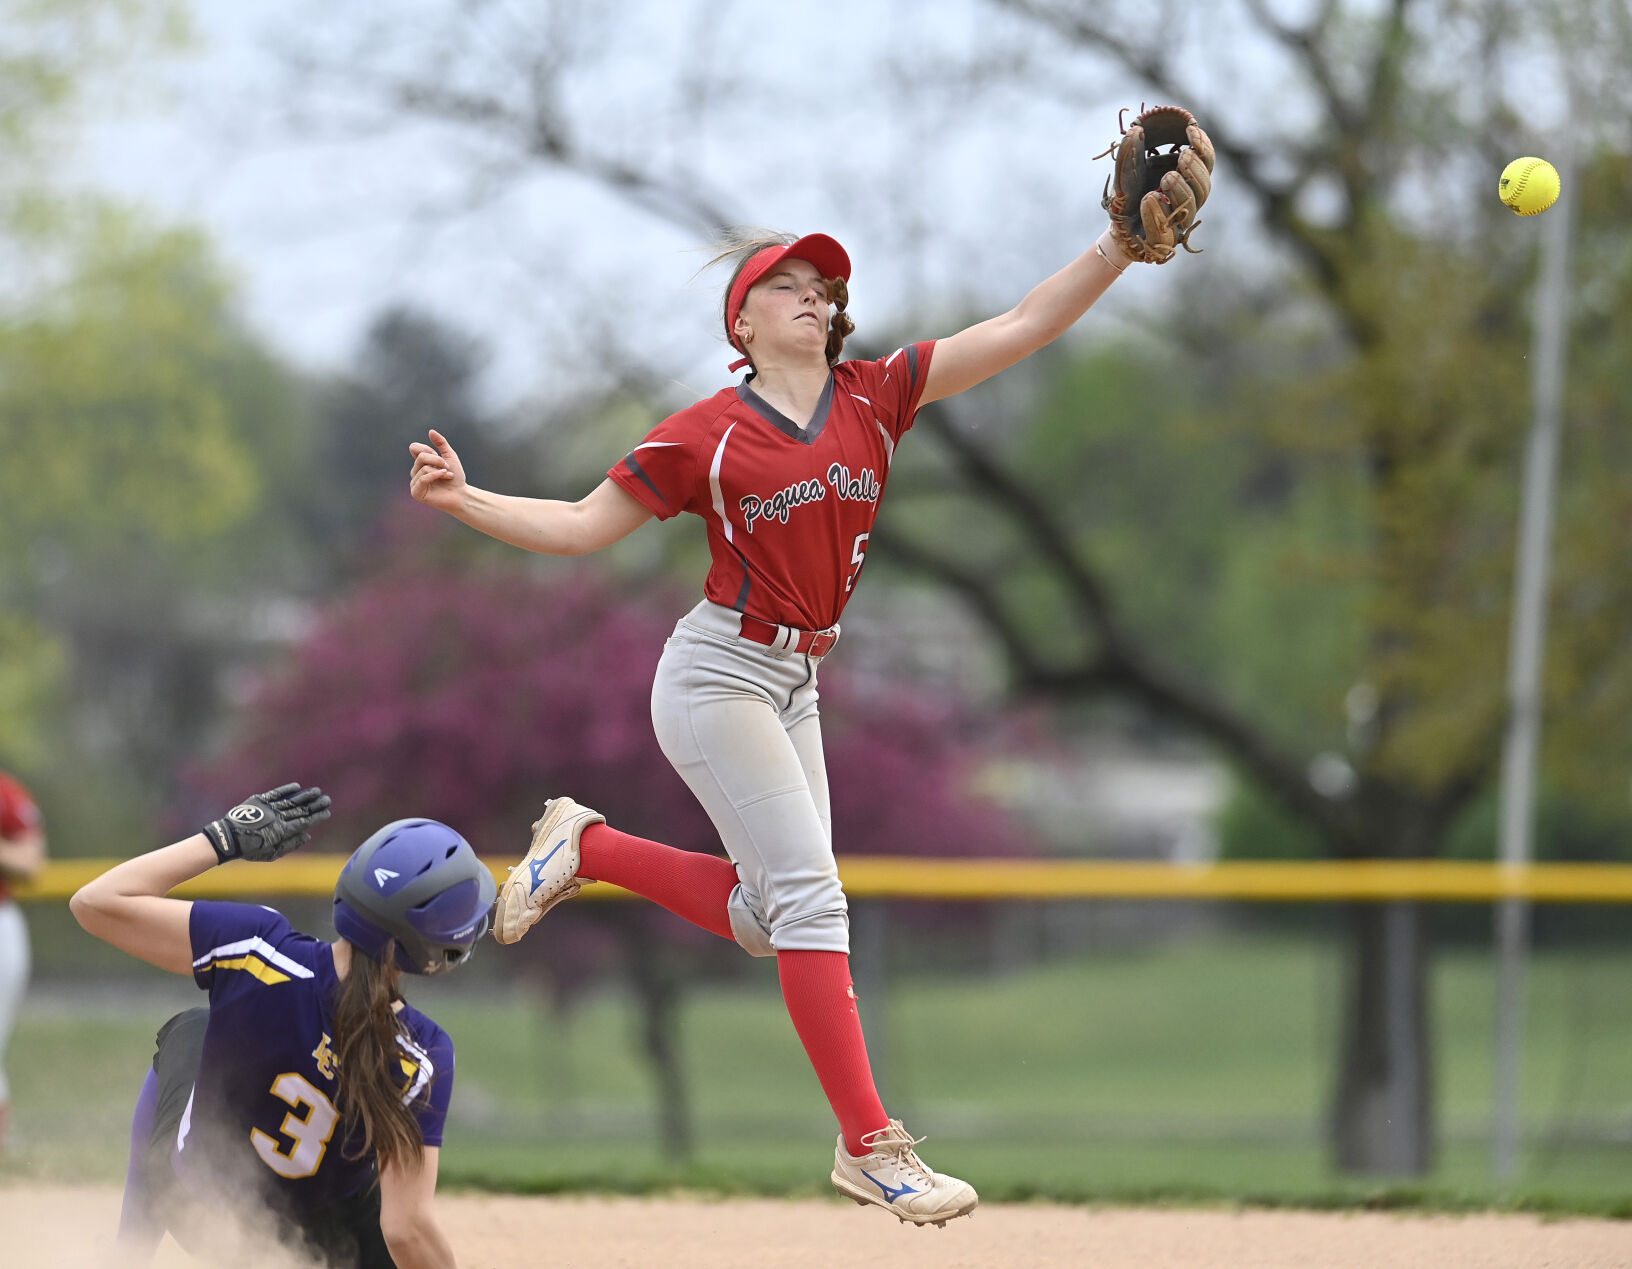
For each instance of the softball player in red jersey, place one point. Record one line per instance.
(22, 854)
(786, 469)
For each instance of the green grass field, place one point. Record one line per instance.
(1195, 1072)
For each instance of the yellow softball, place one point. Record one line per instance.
(1529, 186)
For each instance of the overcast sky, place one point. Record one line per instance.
(952, 206)
(940, 210)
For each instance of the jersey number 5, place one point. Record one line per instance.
(310, 1132)
(858, 557)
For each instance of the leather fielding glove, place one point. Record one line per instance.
(268, 825)
(1163, 172)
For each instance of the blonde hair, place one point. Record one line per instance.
(741, 246)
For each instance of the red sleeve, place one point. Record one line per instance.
(18, 814)
(899, 385)
(661, 472)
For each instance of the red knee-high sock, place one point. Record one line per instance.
(686, 882)
(816, 988)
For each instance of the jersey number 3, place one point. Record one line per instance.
(309, 1132)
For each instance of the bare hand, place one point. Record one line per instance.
(438, 477)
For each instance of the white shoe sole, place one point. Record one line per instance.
(863, 1198)
(515, 912)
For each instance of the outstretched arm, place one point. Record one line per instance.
(974, 355)
(127, 905)
(545, 525)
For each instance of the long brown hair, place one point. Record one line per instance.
(372, 1081)
(741, 246)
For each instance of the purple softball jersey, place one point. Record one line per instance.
(264, 1110)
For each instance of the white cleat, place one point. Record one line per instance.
(547, 873)
(893, 1177)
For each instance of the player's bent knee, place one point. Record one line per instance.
(827, 931)
(747, 928)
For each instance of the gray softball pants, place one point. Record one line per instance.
(739, 723)
(14, 967)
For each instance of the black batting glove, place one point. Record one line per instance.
(268, 825)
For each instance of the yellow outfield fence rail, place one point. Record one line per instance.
(892, 877)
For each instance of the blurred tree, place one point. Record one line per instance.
(31, 672)
(55, 55)
(1343, 638)
(140, 517)
(412, 373)
(58, 57)
(472, 694)
(1365, 382)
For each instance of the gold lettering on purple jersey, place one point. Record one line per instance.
(327, 1063)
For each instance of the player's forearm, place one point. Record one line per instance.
(154, 874)
(420, 1245)
(1054, 304)
(126, 906)
(974, 355)
(545, 525)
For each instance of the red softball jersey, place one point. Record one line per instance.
(18, 815)
(789, 509)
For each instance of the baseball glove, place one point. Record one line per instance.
(1163, 173)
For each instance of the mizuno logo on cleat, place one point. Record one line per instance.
(537, 866)
(890, 1194)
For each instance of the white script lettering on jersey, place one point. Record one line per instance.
(780, 505)
(862, 488)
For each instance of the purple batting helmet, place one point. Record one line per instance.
(418, 884)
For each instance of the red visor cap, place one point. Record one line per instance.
(830, 259)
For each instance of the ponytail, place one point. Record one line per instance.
(843, 324)
(372, 1081)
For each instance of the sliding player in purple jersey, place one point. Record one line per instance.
(308, 1100)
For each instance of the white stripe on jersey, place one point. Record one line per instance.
(714, 481)
(856, 396)
(423, 1061)
(894, 355)
(889, 445)
(261, 948)
(659, 444)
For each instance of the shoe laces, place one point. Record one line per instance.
(893, 1139)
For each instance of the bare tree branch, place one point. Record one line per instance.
(1118, 665)
(1305, 44)
(1244, 161)
(1003, 490)
(544, 136)
(1120, 669)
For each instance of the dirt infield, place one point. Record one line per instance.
(68, 1228)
